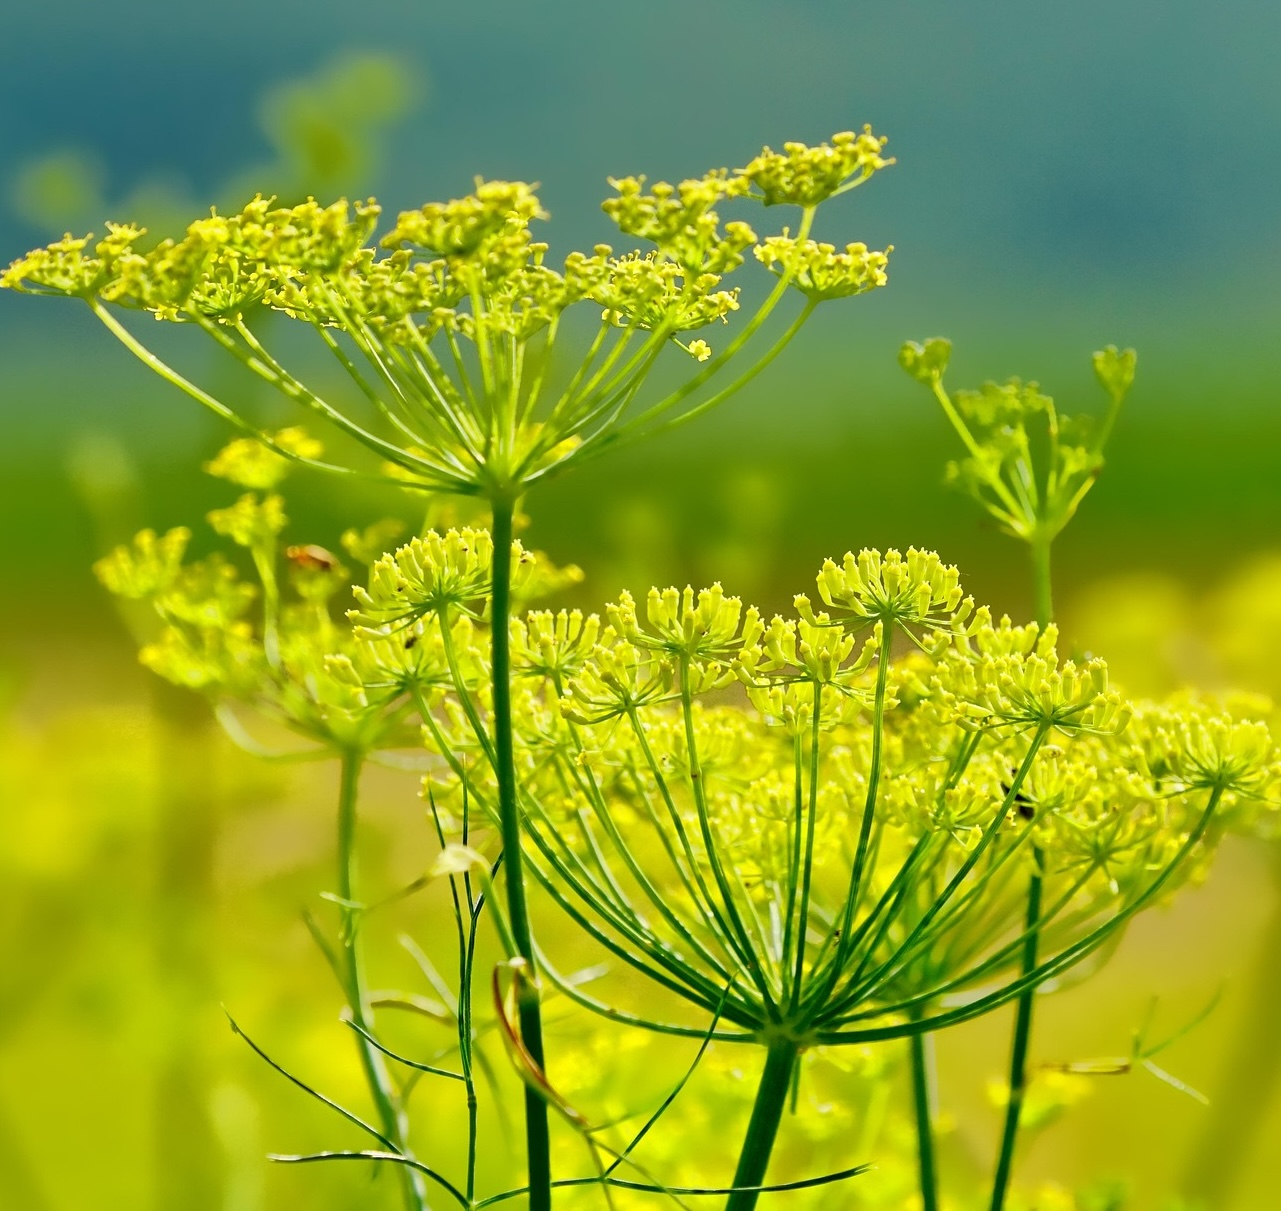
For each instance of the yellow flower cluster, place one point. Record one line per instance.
(805, 176)
(738, 819)
(681, 222)
(449, 326)
(820, 272)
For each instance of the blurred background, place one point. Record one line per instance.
(1067, 177)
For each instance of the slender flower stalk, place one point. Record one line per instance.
(282, 665)
(833, 861)
(531, 1025)
(920, 1045)
(767, 1113)
(1021, 1039)
(1027, 465)
(391, 1115)
(1026, 1004)
(1031, 484)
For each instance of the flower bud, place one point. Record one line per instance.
(1114, 369)
(926, 362)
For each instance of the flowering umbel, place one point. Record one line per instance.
(450, 328)
(1027, 464)
(833, 857)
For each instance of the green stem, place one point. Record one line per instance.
(922, 1079)
(845, 933)
(466, 932)
(537, 1136)
(993, 481)
(746, 377)
(391, 1118)
(767, 1113)
(465, 1036)
(1024, 1006)
(1022, 1036)
(807, 866)
(1043, 596)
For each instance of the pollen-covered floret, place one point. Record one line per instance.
(804, 176)
(305, 237)
(65, 267)
(618, 678)
(819, 271)
(814, 651)
(198, 275)
(461, 227)
(680, 220)
(703, 628)
(554, 645)
(1197, 749)
(647, 291)
(933, 799)
(395, 296)
(790, 705)
(916, 590)
(980, 637)
(1029, 692)
(463, 378)
(386, 662)
(430, 575)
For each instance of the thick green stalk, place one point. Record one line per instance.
(530, 1015)
(1024, 1006)
(1018, 1051)
(391, 1120)
(767, 1113)
(922, 1079)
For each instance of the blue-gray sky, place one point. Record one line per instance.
(1068, 175)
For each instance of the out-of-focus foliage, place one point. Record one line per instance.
(327, 133)
(1223, 634)
(1224, 637)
